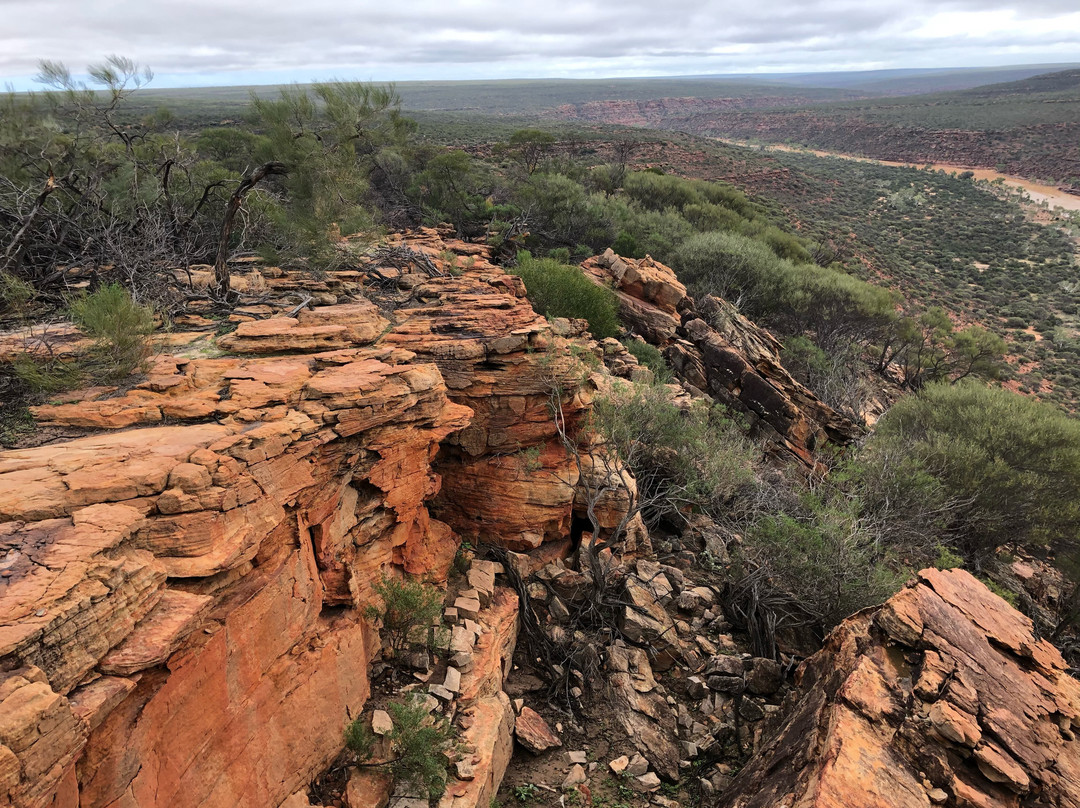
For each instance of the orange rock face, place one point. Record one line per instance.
(943, 695)
(168, 628)
(506, 477)
(181, 589)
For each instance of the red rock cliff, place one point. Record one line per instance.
(180, 586)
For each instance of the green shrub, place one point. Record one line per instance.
(409, 613)
(649, 356)
(947, 559)
(120, 328)
(687, 459)
(421, 745)
(821, 557)
(560, 290)
(991, 467)
(44, 376)
(15, 293)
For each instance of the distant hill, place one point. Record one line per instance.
(917, 80)
(1029, 127)
(1020, 118)
(538, 96)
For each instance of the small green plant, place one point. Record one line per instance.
(408, 615)
(120, 328)
(421, 745)
(531, 458)
(525, 793)
(623, 787)
(947, 559)
(463, 557)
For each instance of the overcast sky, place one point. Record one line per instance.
(200, 42)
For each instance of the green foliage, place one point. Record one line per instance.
(421, 745)
(820, 554)
(15, 293)
(990, 465)
(947, 559)
(525, 793)
(530, 458)
(359, 739)
(801, 296)
(560, 290)
(563, 213)
(681, 459)
(649, 356)
(119, 326)
(530, 146)
(408, 615)
(453, 187)
(333, 137)
(463, 557)
(1005, 594)
(43, 376)
(928, 349)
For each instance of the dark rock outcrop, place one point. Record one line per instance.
(718, 351)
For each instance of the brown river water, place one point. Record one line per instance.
(1054, 197)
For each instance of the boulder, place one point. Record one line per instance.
(994, 724)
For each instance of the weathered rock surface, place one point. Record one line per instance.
(533, 731)
(506, 477)
(738, 363)
(181, 590)
(649, 293)
(193, 565)
(644, 715)
(941, 696)
(716, 350)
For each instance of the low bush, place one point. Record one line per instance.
(820, 554)
(682, 460)
(649, 356)
(560, 290)
(120, 328)
(979, 466)
(421, 745)
(409, 613)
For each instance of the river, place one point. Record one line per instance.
(1054, 197)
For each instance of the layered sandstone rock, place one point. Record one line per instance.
(718, 351)
(170, 587)
(942, 696)
(181, 588)
(506, 477)
(649, 293)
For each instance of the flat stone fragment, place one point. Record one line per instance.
(533, 731)
(649, 781)
(381, 724)
(468, 607)
(452, 682)
(575, 777)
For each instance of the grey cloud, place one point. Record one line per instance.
(415, 37)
